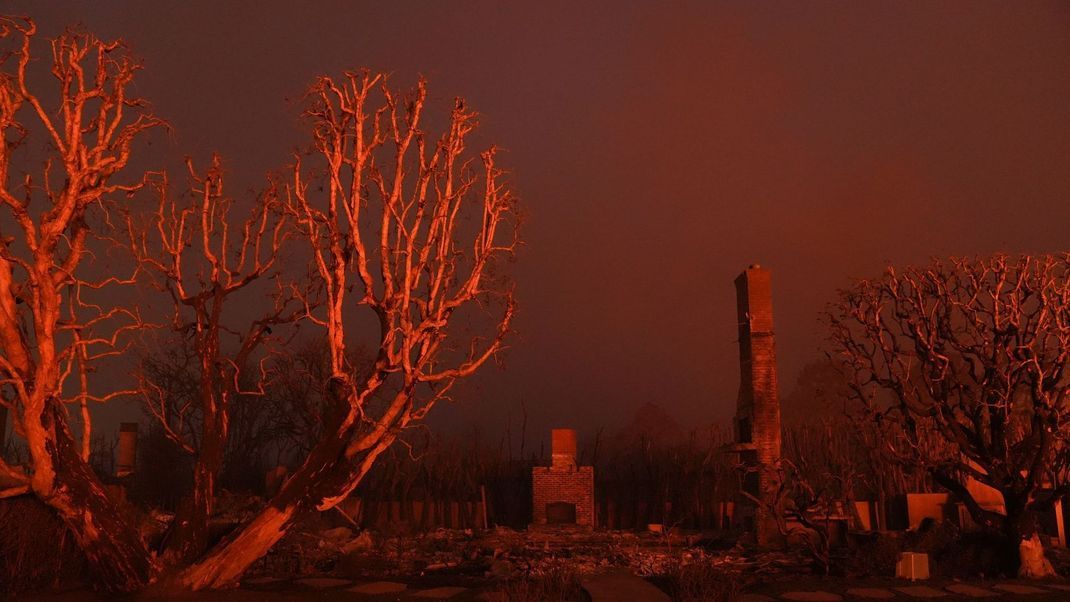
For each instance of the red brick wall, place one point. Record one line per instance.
(574, 485)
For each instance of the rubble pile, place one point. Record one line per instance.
(500, 554)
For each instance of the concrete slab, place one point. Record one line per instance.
(323, 582)
(1017, 589)
(621, 585)
(970, 591)
(440, 593)
(875, 593)
(921, 591)
(1060, 586)
(378, 588)
(815, 596)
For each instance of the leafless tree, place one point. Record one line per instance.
(410, 230)
(48, 321)
(208, 261)
(801, 505)
(973, 352)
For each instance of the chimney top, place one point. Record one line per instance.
(563, 447)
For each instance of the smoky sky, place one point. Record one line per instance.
(659, 148)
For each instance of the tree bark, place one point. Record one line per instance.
(1025, 552)
(1032, 563)
(111, 542)
(3, 428)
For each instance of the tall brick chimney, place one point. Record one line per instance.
(758, 405)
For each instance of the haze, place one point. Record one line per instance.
(660, 149)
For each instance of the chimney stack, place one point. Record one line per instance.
(758, 402)
(563, 448)
(758, 405)
(127, 449)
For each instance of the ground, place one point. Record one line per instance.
(339, 563)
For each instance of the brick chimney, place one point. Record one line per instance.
(563, 493)
(563, 448)
(757, 421)
(758, 401)
(124, 465)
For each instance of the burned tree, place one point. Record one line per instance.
(410, 231)
(48, 320)
(974, 352)
(207, 261)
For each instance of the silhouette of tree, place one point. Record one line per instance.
(975, 353)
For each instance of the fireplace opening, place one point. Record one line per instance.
(561, 513)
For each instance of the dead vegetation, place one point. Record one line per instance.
(971, 353)
(398, 220)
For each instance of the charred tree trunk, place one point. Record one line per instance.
(111, 542)
(1024, 552)
(189, 538)
(327, 476)
(1016, 526)
(190, 535)
(3, 429)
